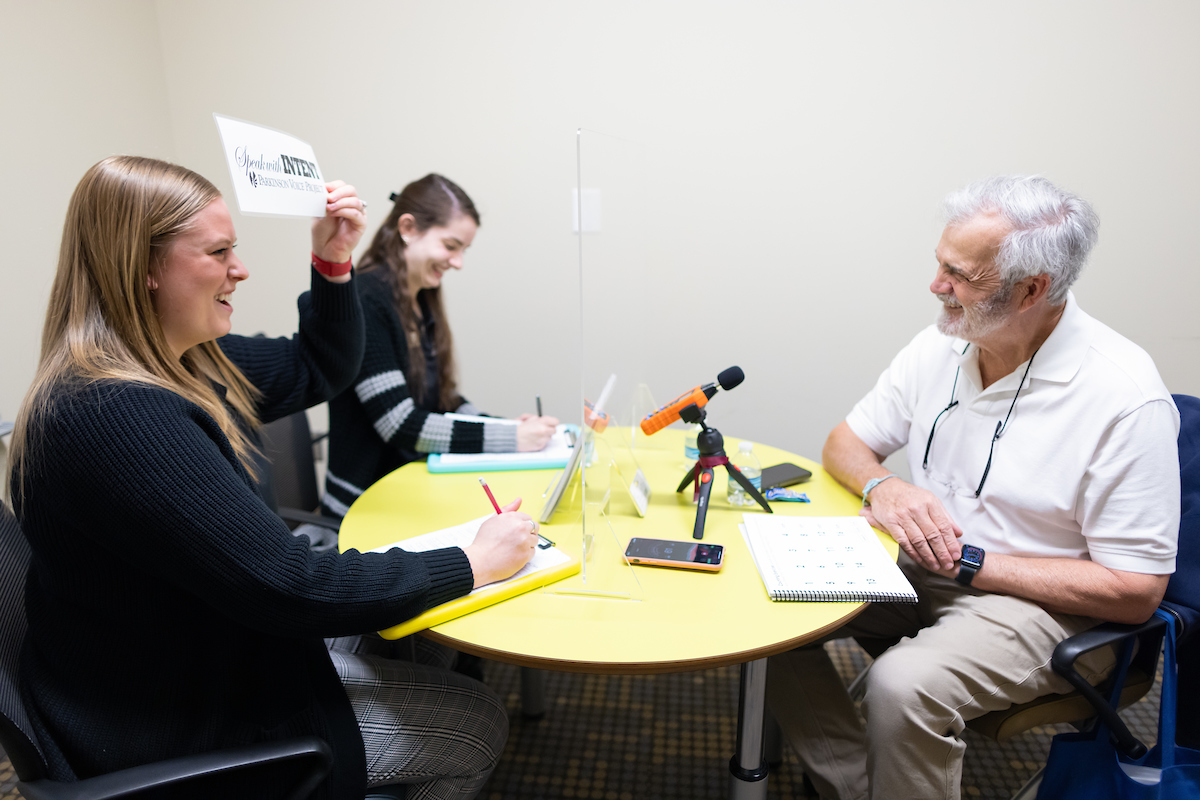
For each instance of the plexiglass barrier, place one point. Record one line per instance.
(623, 208)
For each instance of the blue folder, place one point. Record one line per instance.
(502, 462)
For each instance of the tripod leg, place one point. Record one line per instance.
(691, 476)
(706, 482)
(745, 483)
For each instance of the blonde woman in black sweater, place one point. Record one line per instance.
(170, 612)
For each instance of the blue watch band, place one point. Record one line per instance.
(871, 484)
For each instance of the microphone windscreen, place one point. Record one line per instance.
(731, 377)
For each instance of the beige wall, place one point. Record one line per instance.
(78, 81)
(770, 175)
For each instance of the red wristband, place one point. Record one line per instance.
(330, 269)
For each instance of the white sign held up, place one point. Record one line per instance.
(274, 174)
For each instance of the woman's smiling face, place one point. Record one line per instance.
(431, 252)
(194, 282)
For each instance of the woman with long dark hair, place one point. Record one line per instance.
(395, 411)
(170, 612)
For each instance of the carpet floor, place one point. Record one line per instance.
(671, 736)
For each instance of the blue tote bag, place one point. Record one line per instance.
(1085, 766)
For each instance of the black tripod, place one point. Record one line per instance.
(711, 445)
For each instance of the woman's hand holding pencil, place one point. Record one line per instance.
(504, 543)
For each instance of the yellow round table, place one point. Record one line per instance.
(685, 620)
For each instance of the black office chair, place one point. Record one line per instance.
(305, 761)
(288, 476)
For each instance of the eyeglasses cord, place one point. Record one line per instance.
(1000, 426)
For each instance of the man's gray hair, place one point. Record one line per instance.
(1053, 231)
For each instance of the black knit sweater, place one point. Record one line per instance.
(377, 426)
(170, 612)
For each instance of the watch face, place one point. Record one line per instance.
(972, 555)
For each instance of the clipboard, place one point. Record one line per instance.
(564, 479)
(547, 566)
(549, 458)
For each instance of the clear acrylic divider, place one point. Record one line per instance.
(641, 308)
(610, 211)
(605, 573)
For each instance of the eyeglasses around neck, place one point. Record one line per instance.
(1001, 426)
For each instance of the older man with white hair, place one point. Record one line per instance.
(1044, 499)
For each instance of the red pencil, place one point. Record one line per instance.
(491, 497)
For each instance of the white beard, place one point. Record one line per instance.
(977, 321)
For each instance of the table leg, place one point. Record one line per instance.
(533, 693)
(748, 770)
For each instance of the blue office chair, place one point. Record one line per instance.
(1182, 601)
(304, 761)
(1087, 704)
(1183, 592)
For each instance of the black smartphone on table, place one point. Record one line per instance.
(785, 474)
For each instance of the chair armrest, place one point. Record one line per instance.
(312, 754)
(1107, 633)
(1187, 620)
(296, 515)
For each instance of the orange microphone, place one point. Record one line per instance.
(699, 397)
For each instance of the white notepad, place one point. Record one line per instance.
(823, 559)
(546, 566)
(462, 535)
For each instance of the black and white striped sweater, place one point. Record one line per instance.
(376, 426)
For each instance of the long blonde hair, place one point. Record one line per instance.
(101, 324)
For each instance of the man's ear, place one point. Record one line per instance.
(1032, 290)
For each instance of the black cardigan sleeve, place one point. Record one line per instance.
(173, 501)
(316, 363)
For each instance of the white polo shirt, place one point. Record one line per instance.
(1087, 466)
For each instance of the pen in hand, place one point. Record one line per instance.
(539, 405)
(543, 542)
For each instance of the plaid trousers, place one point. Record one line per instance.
(435, 731)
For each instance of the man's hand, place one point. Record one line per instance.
(335, 235)
(918, 522)
(914, 517)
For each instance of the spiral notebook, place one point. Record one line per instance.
(837, 559)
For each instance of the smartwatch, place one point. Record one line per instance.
(971, 562)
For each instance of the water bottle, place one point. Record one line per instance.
(691, 451)
(748, 463)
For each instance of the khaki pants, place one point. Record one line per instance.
(963, 653)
